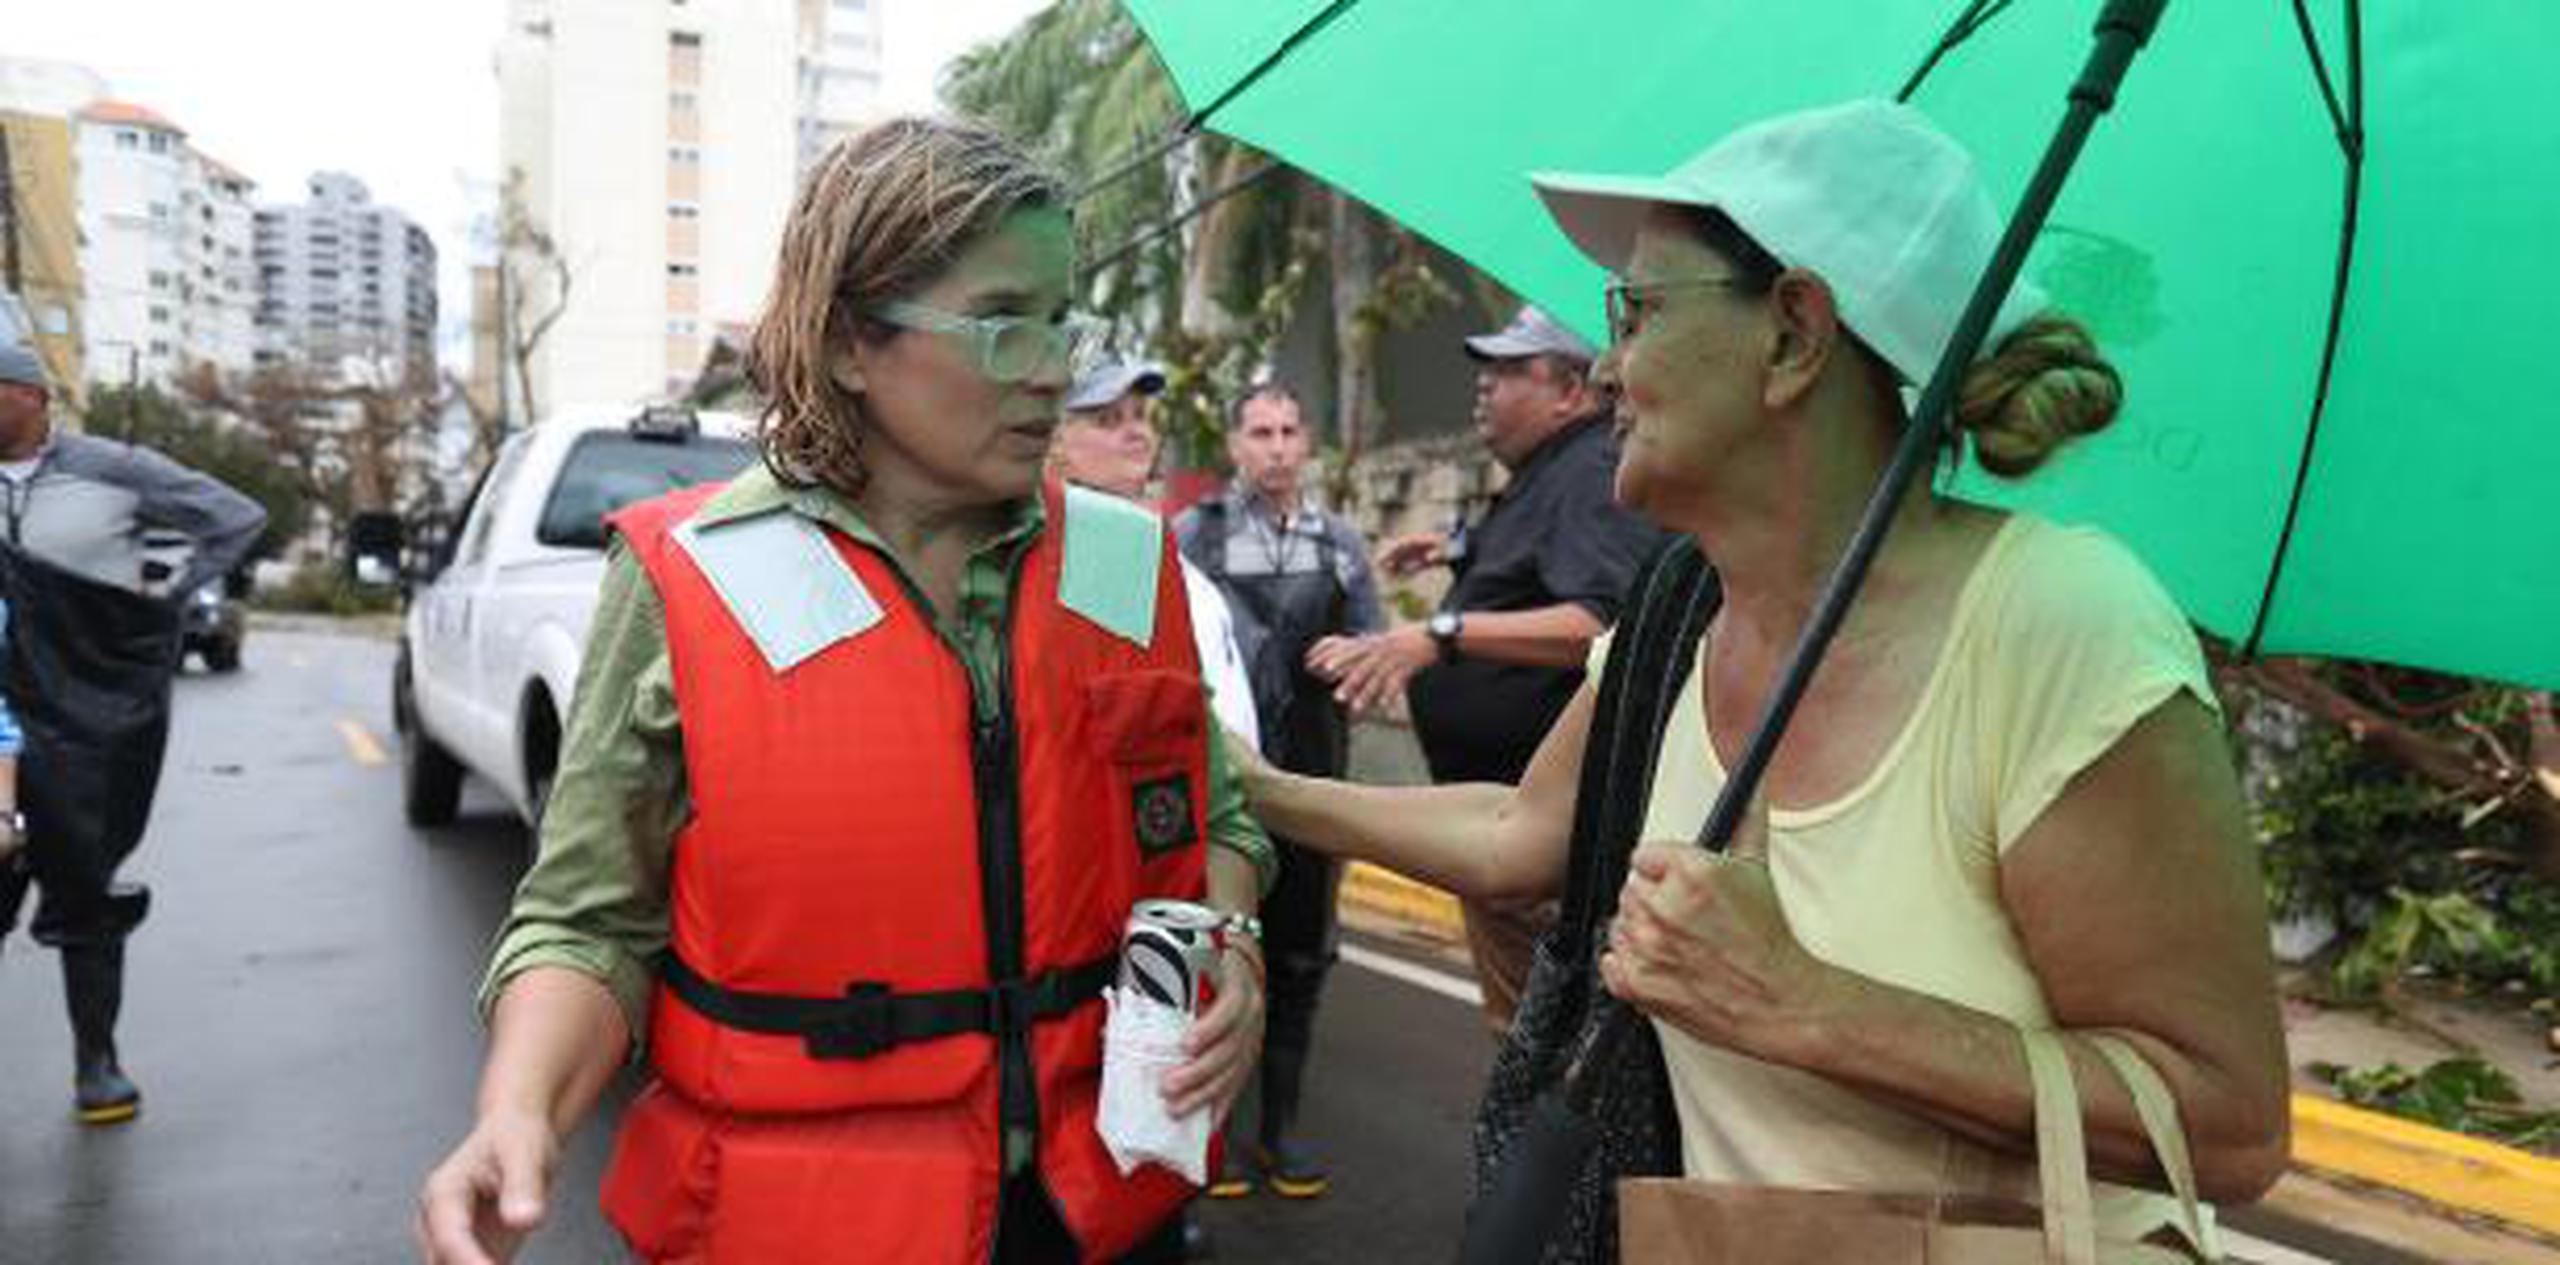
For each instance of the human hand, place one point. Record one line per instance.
(478, 1206)
(1225, 1041)
(1405, 555)
(1331, 656)
(1701, 942)
(1370, 672)
(11, 842)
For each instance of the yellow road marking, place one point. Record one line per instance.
(360, 745)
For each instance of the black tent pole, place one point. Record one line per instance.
(1515, 1218)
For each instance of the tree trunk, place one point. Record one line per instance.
(1209, 266)
(1354, 237)
(2444, 763)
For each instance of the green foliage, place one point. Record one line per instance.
(2416, 876)
(235, 454)
(317, 588)
(2464, 1095)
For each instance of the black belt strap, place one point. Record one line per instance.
(870, 1019)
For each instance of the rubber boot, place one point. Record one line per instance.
(93, 989)
(1287, 1167)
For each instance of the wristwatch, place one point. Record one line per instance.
(1445, 627)
(1232, 925)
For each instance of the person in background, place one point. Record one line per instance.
(1293, 574)
(1108, 441)
(13, 824)
(874, 749)
(1533, 583)
(91, 656)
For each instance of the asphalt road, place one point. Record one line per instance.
(299, 1019)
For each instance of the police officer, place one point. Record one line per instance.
(1294, 574)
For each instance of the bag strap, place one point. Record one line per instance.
(2159, 1111)
(1675, 595)
(2062, 1156)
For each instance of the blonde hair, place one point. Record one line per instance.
(2042, 387)
(882, 214)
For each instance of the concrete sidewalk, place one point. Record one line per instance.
(2440, 1196)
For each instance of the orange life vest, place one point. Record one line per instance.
(945, 888)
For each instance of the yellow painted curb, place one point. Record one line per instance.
(1376, 891)
(2459, 1172)
(2443, 1168)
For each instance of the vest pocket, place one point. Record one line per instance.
(1151, 725)
(879, 1187)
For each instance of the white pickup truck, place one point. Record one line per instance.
(490, 646)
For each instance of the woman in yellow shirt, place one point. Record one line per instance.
(2004, 800)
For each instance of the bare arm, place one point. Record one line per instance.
(1557, 636)
(1479, 840)
(556, 1038)
(2140, 909)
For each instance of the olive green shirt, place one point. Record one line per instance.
(595, 900)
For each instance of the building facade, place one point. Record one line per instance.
(650, 153)
(166, 243)
(840, 72)
(40, 244)
(343, 279)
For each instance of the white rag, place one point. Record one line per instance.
(1141, 1043)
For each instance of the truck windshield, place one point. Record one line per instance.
(607, 471)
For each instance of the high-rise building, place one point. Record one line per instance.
(40, 243)
(653, 147)
(166, 235)
(839, 72)
(342, 278)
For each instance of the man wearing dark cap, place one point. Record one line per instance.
(1533, 583)
(88, 665)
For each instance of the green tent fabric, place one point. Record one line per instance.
(2199, 237)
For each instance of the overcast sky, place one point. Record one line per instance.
(399, 92)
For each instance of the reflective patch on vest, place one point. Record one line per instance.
(784, 584)
(1162, 811)
(1108, 574)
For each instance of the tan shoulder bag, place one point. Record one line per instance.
(1679, 1221)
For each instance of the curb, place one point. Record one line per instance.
(2446, 1169)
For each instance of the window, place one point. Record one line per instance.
(681, 270)
(159, 347)
(684, 39)
(159, 142)
(684, 155)
(159, 316)
(683, 328)
(682, 101)
(683, 211)
(160, 210)
(606, 471)
(159, 281)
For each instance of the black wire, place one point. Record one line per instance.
(1192, 212)
(1134, 163)
(1962, 29)
(2328, 86)
(2351, 143)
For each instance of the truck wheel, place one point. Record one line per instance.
(430, 778)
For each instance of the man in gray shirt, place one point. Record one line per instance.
(89, 660)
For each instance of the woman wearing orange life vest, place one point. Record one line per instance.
(872, 752)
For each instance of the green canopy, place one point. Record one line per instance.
(2200, 237)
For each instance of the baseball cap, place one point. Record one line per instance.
(1111, 381)
(1868, 195)
(1531, 333)
(18, 364)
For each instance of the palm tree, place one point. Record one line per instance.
(1213, 293)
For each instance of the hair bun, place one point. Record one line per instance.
(2044, 386)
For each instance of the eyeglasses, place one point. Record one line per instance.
(1627, 300)
(1009, 348)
